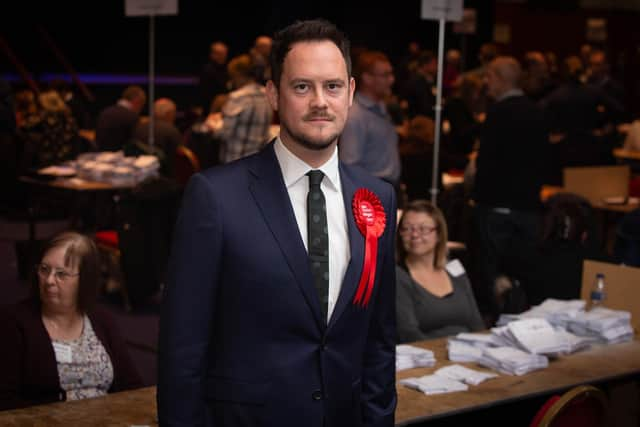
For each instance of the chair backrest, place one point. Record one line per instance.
(622, 287)
(186, 164)
(597, 182)
(582, 406)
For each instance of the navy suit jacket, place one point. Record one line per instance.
(242, 340)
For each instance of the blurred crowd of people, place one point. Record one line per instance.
(509, 125)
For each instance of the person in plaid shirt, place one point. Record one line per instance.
(246, 115)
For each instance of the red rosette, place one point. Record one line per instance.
(371, 221)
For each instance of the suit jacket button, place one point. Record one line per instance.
(316, 395)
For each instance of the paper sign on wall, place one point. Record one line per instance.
(150, 7)
(450, 10)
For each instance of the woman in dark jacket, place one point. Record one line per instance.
(58, 346)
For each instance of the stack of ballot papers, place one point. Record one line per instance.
(463, 351)
(448, 379)
(480, 340)
(466, 375)
(434, 384)
(408, 357)
(557, 312)
(512, 361)
(533, 335)
(608, 326)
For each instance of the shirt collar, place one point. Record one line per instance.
(294, 169)
(126, 104)
(370, 104)
(510, 93)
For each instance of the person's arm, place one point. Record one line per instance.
(408, 325)
(231, 112)
(474, 319)
(378, 397)
(189, 308)
(11, 359)
(174, 140)
(125, 374)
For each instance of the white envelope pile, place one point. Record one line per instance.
(409, 357)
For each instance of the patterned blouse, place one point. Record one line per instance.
(89, 373)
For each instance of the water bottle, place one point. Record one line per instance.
(598, 294)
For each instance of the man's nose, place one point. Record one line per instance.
(319, 99)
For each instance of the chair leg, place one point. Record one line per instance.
(114, 278)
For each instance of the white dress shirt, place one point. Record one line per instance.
(294, 173)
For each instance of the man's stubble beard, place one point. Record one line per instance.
(311, 144)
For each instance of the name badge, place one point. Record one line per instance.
(63, 352)
(455, 268)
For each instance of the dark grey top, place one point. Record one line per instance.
(421, 315)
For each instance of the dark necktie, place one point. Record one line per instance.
(318, 238)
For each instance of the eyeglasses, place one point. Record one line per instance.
(422, 230)
(60, 276)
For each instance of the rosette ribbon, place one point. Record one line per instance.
(371, 220)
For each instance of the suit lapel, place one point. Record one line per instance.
(271, 196)
(356, 243)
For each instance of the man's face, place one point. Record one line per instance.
(381, 79)
(598, 64)
(218, 53)
(494, 83)
(314, 95)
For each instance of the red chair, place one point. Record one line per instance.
(634, 187)
(108, 244)
(186, 164)
(582, 406)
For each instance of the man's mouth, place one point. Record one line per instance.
(318, 118)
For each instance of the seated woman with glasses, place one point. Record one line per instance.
(434, 298)
(58, 345)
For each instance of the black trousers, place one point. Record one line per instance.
(503, 242)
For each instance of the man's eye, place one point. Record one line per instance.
(334, 87)
(301, 87)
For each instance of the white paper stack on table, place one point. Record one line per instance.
(481, 340)
(409, 356)
(534, 335)
(448, 379)
(466, 375)
(512, 361)
(463, 351)
(557, 312)
(576, 342)
(607, 325)
(434, 384)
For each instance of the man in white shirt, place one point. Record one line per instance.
(253, 331)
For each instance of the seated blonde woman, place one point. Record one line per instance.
(434, 298)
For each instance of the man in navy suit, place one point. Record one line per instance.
(246, 337)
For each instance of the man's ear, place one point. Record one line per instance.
(272, 95)
(352, 89)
